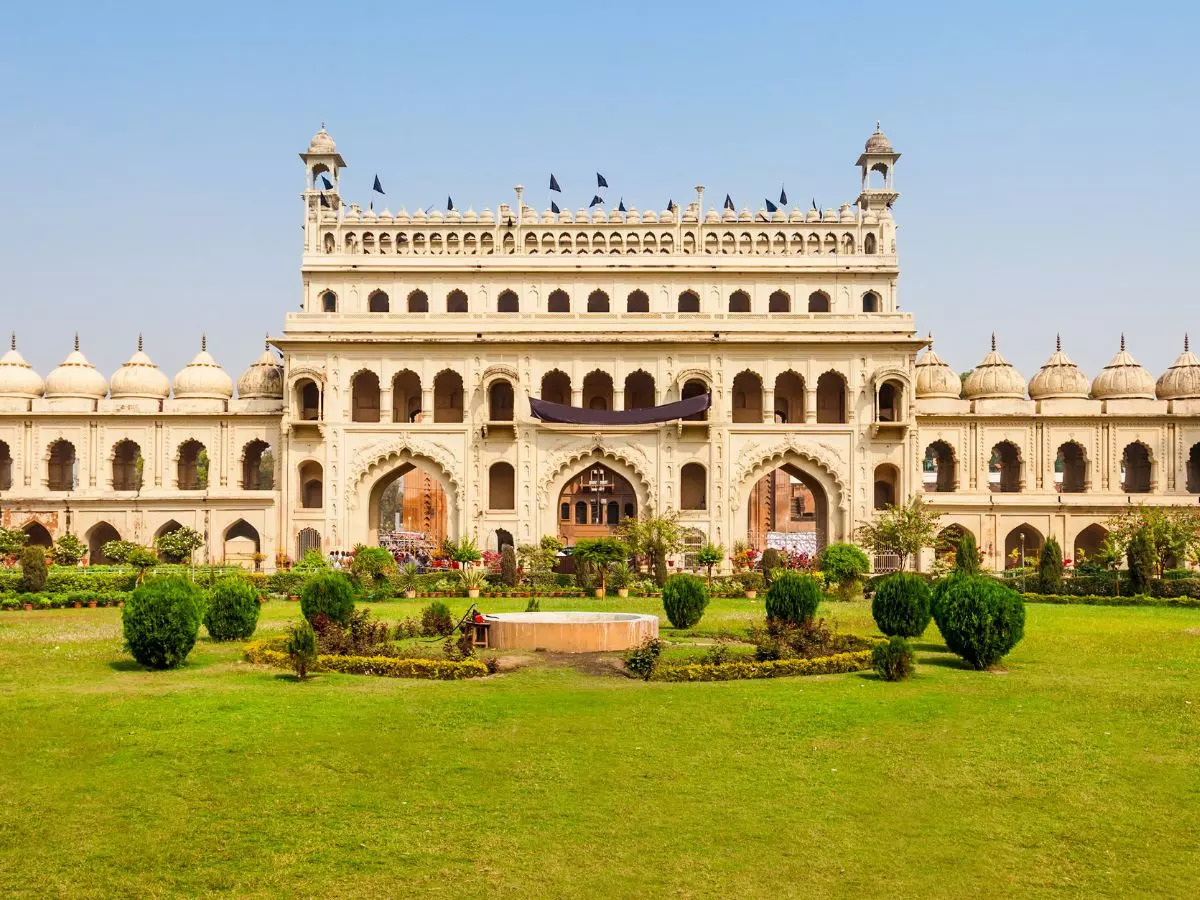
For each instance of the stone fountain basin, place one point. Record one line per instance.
(569, 632)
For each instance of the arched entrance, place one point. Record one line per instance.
(1023, 545)
(408, 500)
(593, 503)
(241, 544)
(99, 535)
(37, 535)
(788, 509)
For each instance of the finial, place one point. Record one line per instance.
(1185, 342)
(1058, 343)
(1122, 341)
(267, 341)
(139, 342)
(203, 342)
(993, 342)
(878, 130)
(77, 341)
(322, 126)
(929, 340)
(13, 343)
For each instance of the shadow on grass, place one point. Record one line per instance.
(127, 665)
(946, 661)
(931, 648)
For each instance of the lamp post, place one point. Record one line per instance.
(1022, 562)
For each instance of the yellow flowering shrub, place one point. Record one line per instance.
(857, 661)
(387, 666)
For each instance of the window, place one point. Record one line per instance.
(500, 401)
(558, 302)
(637, 302)
(870, 302)
(693, 487)
(191, 471)
(831, 398)
(689, 302)
(308, 400)
(406, 396)
(329, 302)
(456, 302)
(507, 302)
(565, 512)
(501, 486)
(597, 302)
(378, 302)
(747, 398)
(448, 397)
(6, 462)
(581, 512)
(639, 390)
(418, 302)
(364, 391)
(125, 469)
(818, 302)
(311, 485)
(779, 302)
(739, 302)
(1004, 469)
(556, 387)
(61, 467)
(938, 473)
(258, 466)
(1135, 469)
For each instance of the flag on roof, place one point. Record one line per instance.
(771, 207)
(596, 200)
(554, 183)
(672, 206)
(782, 196)
(324, 201)
(621, 206)
(728, 202)
(601, 181)
(554, 208)
(328, 183)
(815, 203)
(449, 203)
(378, 186)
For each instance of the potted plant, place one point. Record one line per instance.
(752, 583)
(473, 578)
(619, 576)
(408, 580)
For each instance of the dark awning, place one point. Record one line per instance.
(574, 415)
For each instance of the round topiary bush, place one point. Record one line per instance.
(893, 660)
(901, 605)
(331, 593)
(161, 620)
(231, 610)
(685, 597)
(844, 566)
(793, 598)
(980, 619)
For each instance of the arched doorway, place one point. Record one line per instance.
(1088, 543)
(408, 500)
(37, 535)
(1023, 544)
(787, 509)
(99, 535)
(241, 543)
(946, 544)
(593, 503)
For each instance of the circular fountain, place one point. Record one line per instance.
(569, 632)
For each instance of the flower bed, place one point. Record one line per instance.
(1096, 600)
(856, 661)
(390, 667)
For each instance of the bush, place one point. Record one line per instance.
(980, 619)
(966, 555)
(231, 610)
(893, 660)
(901, 605)
(793, 598)
(1141, 558)
(643, 659)
(372, 566)
(844, 566)
(508, 566)
(161, 620)
(329, 593)
(1175, 587)
(772, 559)
(1050, 567)
(33, 569)
(68, 550)
(179, 545)
(436, 620)
(1124, 600)
(685, 598)
(301, 647)
(854, 661)
(660, 568)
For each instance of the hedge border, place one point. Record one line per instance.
(856, 661)
(1097, 600)
(386, 666)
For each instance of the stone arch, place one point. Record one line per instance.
(790, 397)
(310, 479)
(871, 302)
(1192, 475)
(947, 541)
(779, 302)
(598, 390)
(556, 387)
(37, 535)
(124, 465)
(818, 302)
(258, 469)
(739, 302)
(1005, 468)
(418, 301)
(61, 466)
(566, 466)
(1089, 540)
(502, 491)
(639, 390)
(6, 467)
(693, 486)
(1032, 546)
(942, 464)
(637, 302)
(816, 472)
(1072, 464)
(456, 301)
(597, 302)
(508, 302)
(382, 466)
(378, 301)
(1137, 468)
(239, 544)
(886, 485)
(689, 302)
(448, 396)
(406, 396)
(559, 301)
(191, 466)
(97, 536)
(747, 397)
(831, 398)
(328, 300)
(364, 396)
(501, 400)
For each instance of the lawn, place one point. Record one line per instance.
(1076, 772)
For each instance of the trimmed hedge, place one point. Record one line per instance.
(793, 598)
(1132, 600)
(981, 619)
(231, 610)
(161, 622)
(386, 666)
(857, 661)
(62, 601)
(328, 593)
(685, 597)
(901, 605)
(893, 660)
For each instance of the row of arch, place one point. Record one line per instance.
(598, 301)
(582, 243)
(103, 532)
(1072, 469)
(1026, 539)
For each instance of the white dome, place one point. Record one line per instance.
(139, 378)
(1059, 379)
(935, 377)
(203, 379)
(17, 377)
(878, 142)
(994, 378)
(322, 142)
(1123, 379)
(1182, 380)
(263, 380)
(76, 377)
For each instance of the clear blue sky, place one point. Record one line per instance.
(1049, 170)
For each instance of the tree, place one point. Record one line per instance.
(653, 537)
(464, 552)
(508, 565)
(12, 540)
(1050, 567)
(598, 553)
(202, 470)
(966, 555)
(33, 569)
(142, 559)
(1140, 554)
(844, 565)
(708, 556)
(179, 545)
(1173, 532)
(68, 550)
(902, 530)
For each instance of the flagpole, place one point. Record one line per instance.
(699, 219)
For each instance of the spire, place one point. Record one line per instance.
(929, 340)
(1058, 343)
(993, 342)
(12, 345)
(203, 342)
(1185, 342)
(77, 341)
(267, 341)
(1122, 341)
(139, 342)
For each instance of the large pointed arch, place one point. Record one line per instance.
(816, 468)
(380, 465)
(567, 465)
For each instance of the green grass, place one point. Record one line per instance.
(1075, 773)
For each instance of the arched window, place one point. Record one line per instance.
(97, 536)
(789, 398)
(60, 475)
(612, 512)
(258, 466)
(364, 393)
(448, 397)
(191, 469)
(938, 470)
(502, 492)
(818, 302)
(1089, 541)
(597, 302)
(739, 302)
(694, 387)
(328, 302)
(869, 245)
(639, 390)
(378, 302)
(693, 487)
(1004, 468)
(887, 404)
(500, 401)
(637, 302)
(565, 512)
(556, 387)
(887, 479)
(126, 472)
(6, 464)
(581, 512)
(1070, 468)
(779, 302)
(558, 302)
(689, 302)
(598, 390)
(507, 302)
(308, 400)
(312, 485)
(747, 397)
(1193, 470)
(418, 302)
(456, 302)
(831, 398)
(870, 302)
(37, 535)
(307, 539)
(1135, 469)
(406, 396)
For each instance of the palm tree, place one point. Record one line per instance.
(599, 552)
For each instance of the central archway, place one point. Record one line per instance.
(408, 499)
(792, 500)
(593, 503)
(378, 469)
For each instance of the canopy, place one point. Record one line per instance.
(574, 415)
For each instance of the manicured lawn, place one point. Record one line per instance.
(1075, 773)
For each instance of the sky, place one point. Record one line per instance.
(1048, 181)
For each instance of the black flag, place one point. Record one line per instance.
(672, 206)
(554, 208)
(621, 206)
(728, 202)
(328, 183)
(324, 202)
(371, 205)
(378, 188)
(782, 196)
(554, 183)
(815, 203)
(771, 207)
(449, 203)
(596, 200)
(601, 181)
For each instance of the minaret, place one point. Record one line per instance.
(878, 158)
(322, 164)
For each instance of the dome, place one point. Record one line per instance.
(17, 377)
(76, 377)
(1123, 379)
(935, 377)
(1180, 382)
(322, 142)
(1059, 379)
(263, 380)
(203, 379)
(139, 378)
(995, 379)
(878, 142)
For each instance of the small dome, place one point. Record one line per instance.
(76, 377)
(322, 142)
(139, 378)
(995, 379)
(203, 379)
(878, 142)
(1059, 379)
(1123, 379)
(263, 380)
(935, 377)
(1180, 382)
(17, 377)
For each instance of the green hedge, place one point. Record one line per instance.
(1097, 600)
(857, 661)
(386, 666)
(64, 600)
(61, 579)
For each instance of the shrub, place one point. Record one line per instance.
(793, 598)
(329, 593)
(752, 581)
(893, 660)
(301, 648)
(33, 569)
(372, 566)
(685, 598)
(772, 559)
(436, 620)
(117, 550)
(966, 555)
(980, 619)
(901, 605)
(68, 550)
(660, 567)
(643, 659)
(161, 620)
(783, 640)
(854, 661)
(619, 575)
(844, 566)
(231, 610)
(1050, 567)
(1141, 558)
(508, 566)
(178, 546)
